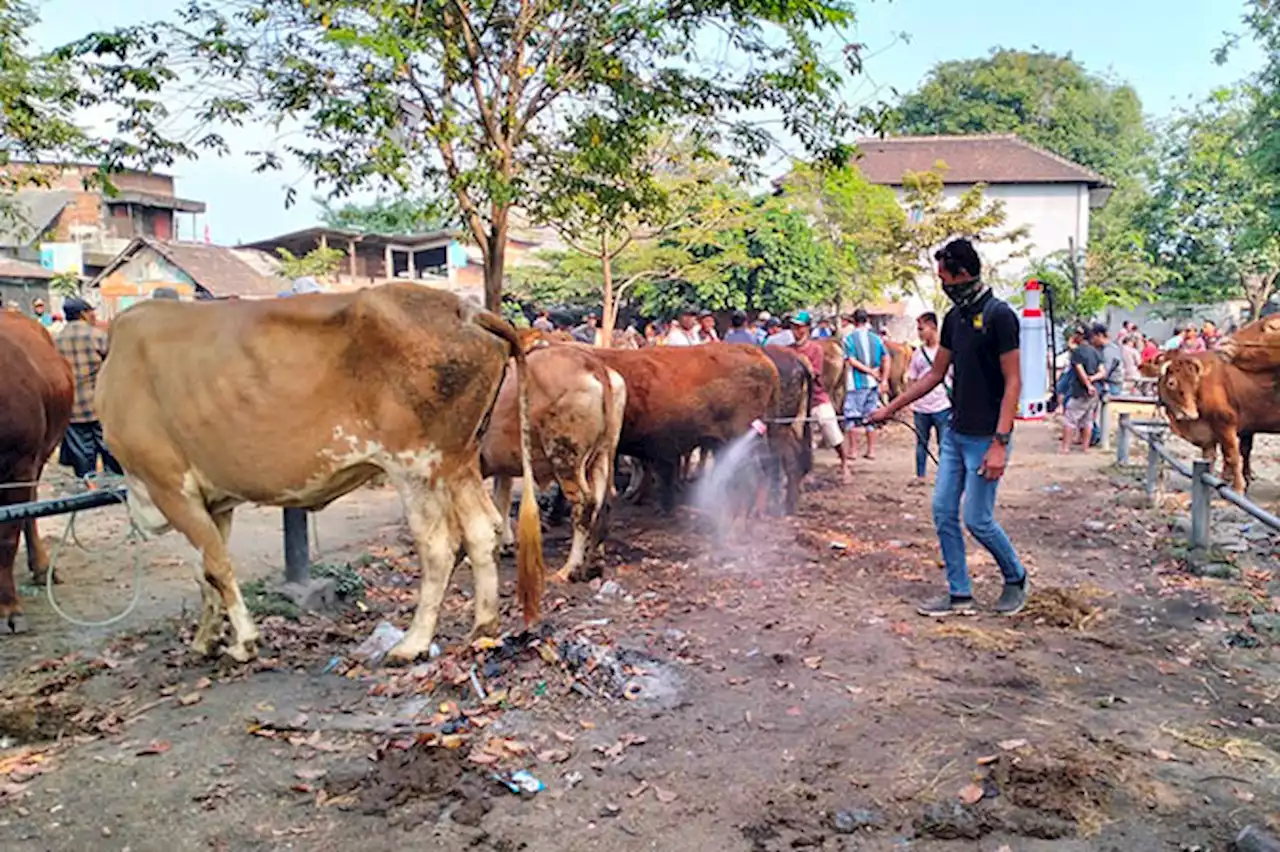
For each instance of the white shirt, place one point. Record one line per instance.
(677, 336)
(782, 338)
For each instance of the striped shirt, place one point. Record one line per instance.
(85, 347)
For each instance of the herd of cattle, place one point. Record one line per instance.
(297, 402)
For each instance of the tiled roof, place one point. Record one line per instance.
(220, 270)
(10, 268)
(987, 159)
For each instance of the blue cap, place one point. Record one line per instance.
(801, 318)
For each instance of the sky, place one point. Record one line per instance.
(1163, 49)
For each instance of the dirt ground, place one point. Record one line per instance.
(773, 692)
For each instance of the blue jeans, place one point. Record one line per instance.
(958, 477)
(938, 421)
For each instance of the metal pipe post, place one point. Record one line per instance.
(1122, 440)
(1153, 470)
(297, 550)
(1200, 492)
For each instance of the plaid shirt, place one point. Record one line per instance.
(85, 347)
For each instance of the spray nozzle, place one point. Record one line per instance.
(758, 426)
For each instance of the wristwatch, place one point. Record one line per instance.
(1003, 438)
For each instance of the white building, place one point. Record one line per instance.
(1048, 194)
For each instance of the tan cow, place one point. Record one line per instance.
(576, 405)
(296, 402)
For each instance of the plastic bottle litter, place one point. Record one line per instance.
(383, 638)
(522, 781)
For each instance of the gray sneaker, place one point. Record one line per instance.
(1012, 598)
(947, 605)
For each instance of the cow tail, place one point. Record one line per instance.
(529, 565)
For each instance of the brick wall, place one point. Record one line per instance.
(72, 178)
(86, 209)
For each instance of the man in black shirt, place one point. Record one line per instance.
(980, 336)
(1086, 369)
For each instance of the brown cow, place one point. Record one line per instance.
(296, 402)
(1256, 346)
(576, 406)
(1214, 404)
(793, 442)
(684, 398)
(899, 360)
(36, 394)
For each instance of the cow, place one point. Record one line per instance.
(576, 406)
(899, 360)
(1255, 346)
(37, 391)
(297, 402)
(792, 457)
(684, 398)
(1212, 403)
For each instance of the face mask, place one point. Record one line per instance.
(964, 295)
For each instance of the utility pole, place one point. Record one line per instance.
(1075, 269)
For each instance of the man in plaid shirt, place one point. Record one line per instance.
(84, 345)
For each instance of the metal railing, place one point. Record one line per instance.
(1203, 483)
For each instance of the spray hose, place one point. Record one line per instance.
(853, 423)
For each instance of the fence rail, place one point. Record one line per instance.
(1203, 483)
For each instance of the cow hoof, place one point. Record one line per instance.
(242, 652)
(485, 630)
(15, 623)
(402, 655)
(38, 577)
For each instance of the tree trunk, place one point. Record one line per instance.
(608, 310)
(1257, 290)
(495, 260)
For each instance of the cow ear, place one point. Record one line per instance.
(1164, 365)
(1197, 366)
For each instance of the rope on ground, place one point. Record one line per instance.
(69, 534)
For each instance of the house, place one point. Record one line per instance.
(68, 227)
(1050, 195)
(22, 282)
(431, 258)
(195, 270)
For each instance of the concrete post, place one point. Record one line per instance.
(1200, 493)
(1104, 424)
(297, 548)
(1153, 471)
(1122, 441)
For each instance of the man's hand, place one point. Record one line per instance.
(879, 415)
(993, 463)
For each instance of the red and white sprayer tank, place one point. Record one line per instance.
(1034, 400)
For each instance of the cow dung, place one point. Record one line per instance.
(417, 785)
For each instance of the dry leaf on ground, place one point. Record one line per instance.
(971, 794)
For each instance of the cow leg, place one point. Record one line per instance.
(481, 526)
(1231, 460)
(436, 537)
(502, 503)
(666, 472)
(209, 628)
(1246, 452)
(578, 493)
(189, 516)
(37, 553)
(11, 618)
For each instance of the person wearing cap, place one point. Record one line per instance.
(589, 331)
(759, 326)
(84, 345)
(778, 333)
(823, 331)
(42, 316)
(819, 402)
(1087, 373)
(866, 354)
(685, 331)
(980, 337)
(707, 328)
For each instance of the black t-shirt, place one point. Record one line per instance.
(1088, 357)
(976, 338)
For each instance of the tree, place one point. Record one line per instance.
(786, 264)
(466, 95)
(1211, 209)
(857, 219)
(649, 218)
(1047, 99)
(1262, 23)
(932, 220)
(400, 216)
(321, 262)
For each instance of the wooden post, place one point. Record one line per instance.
(409, 252)
(351, 259)
(1200, 493)
(1122, 440)
(1153, 470)
(297, 549)
(388, 269)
